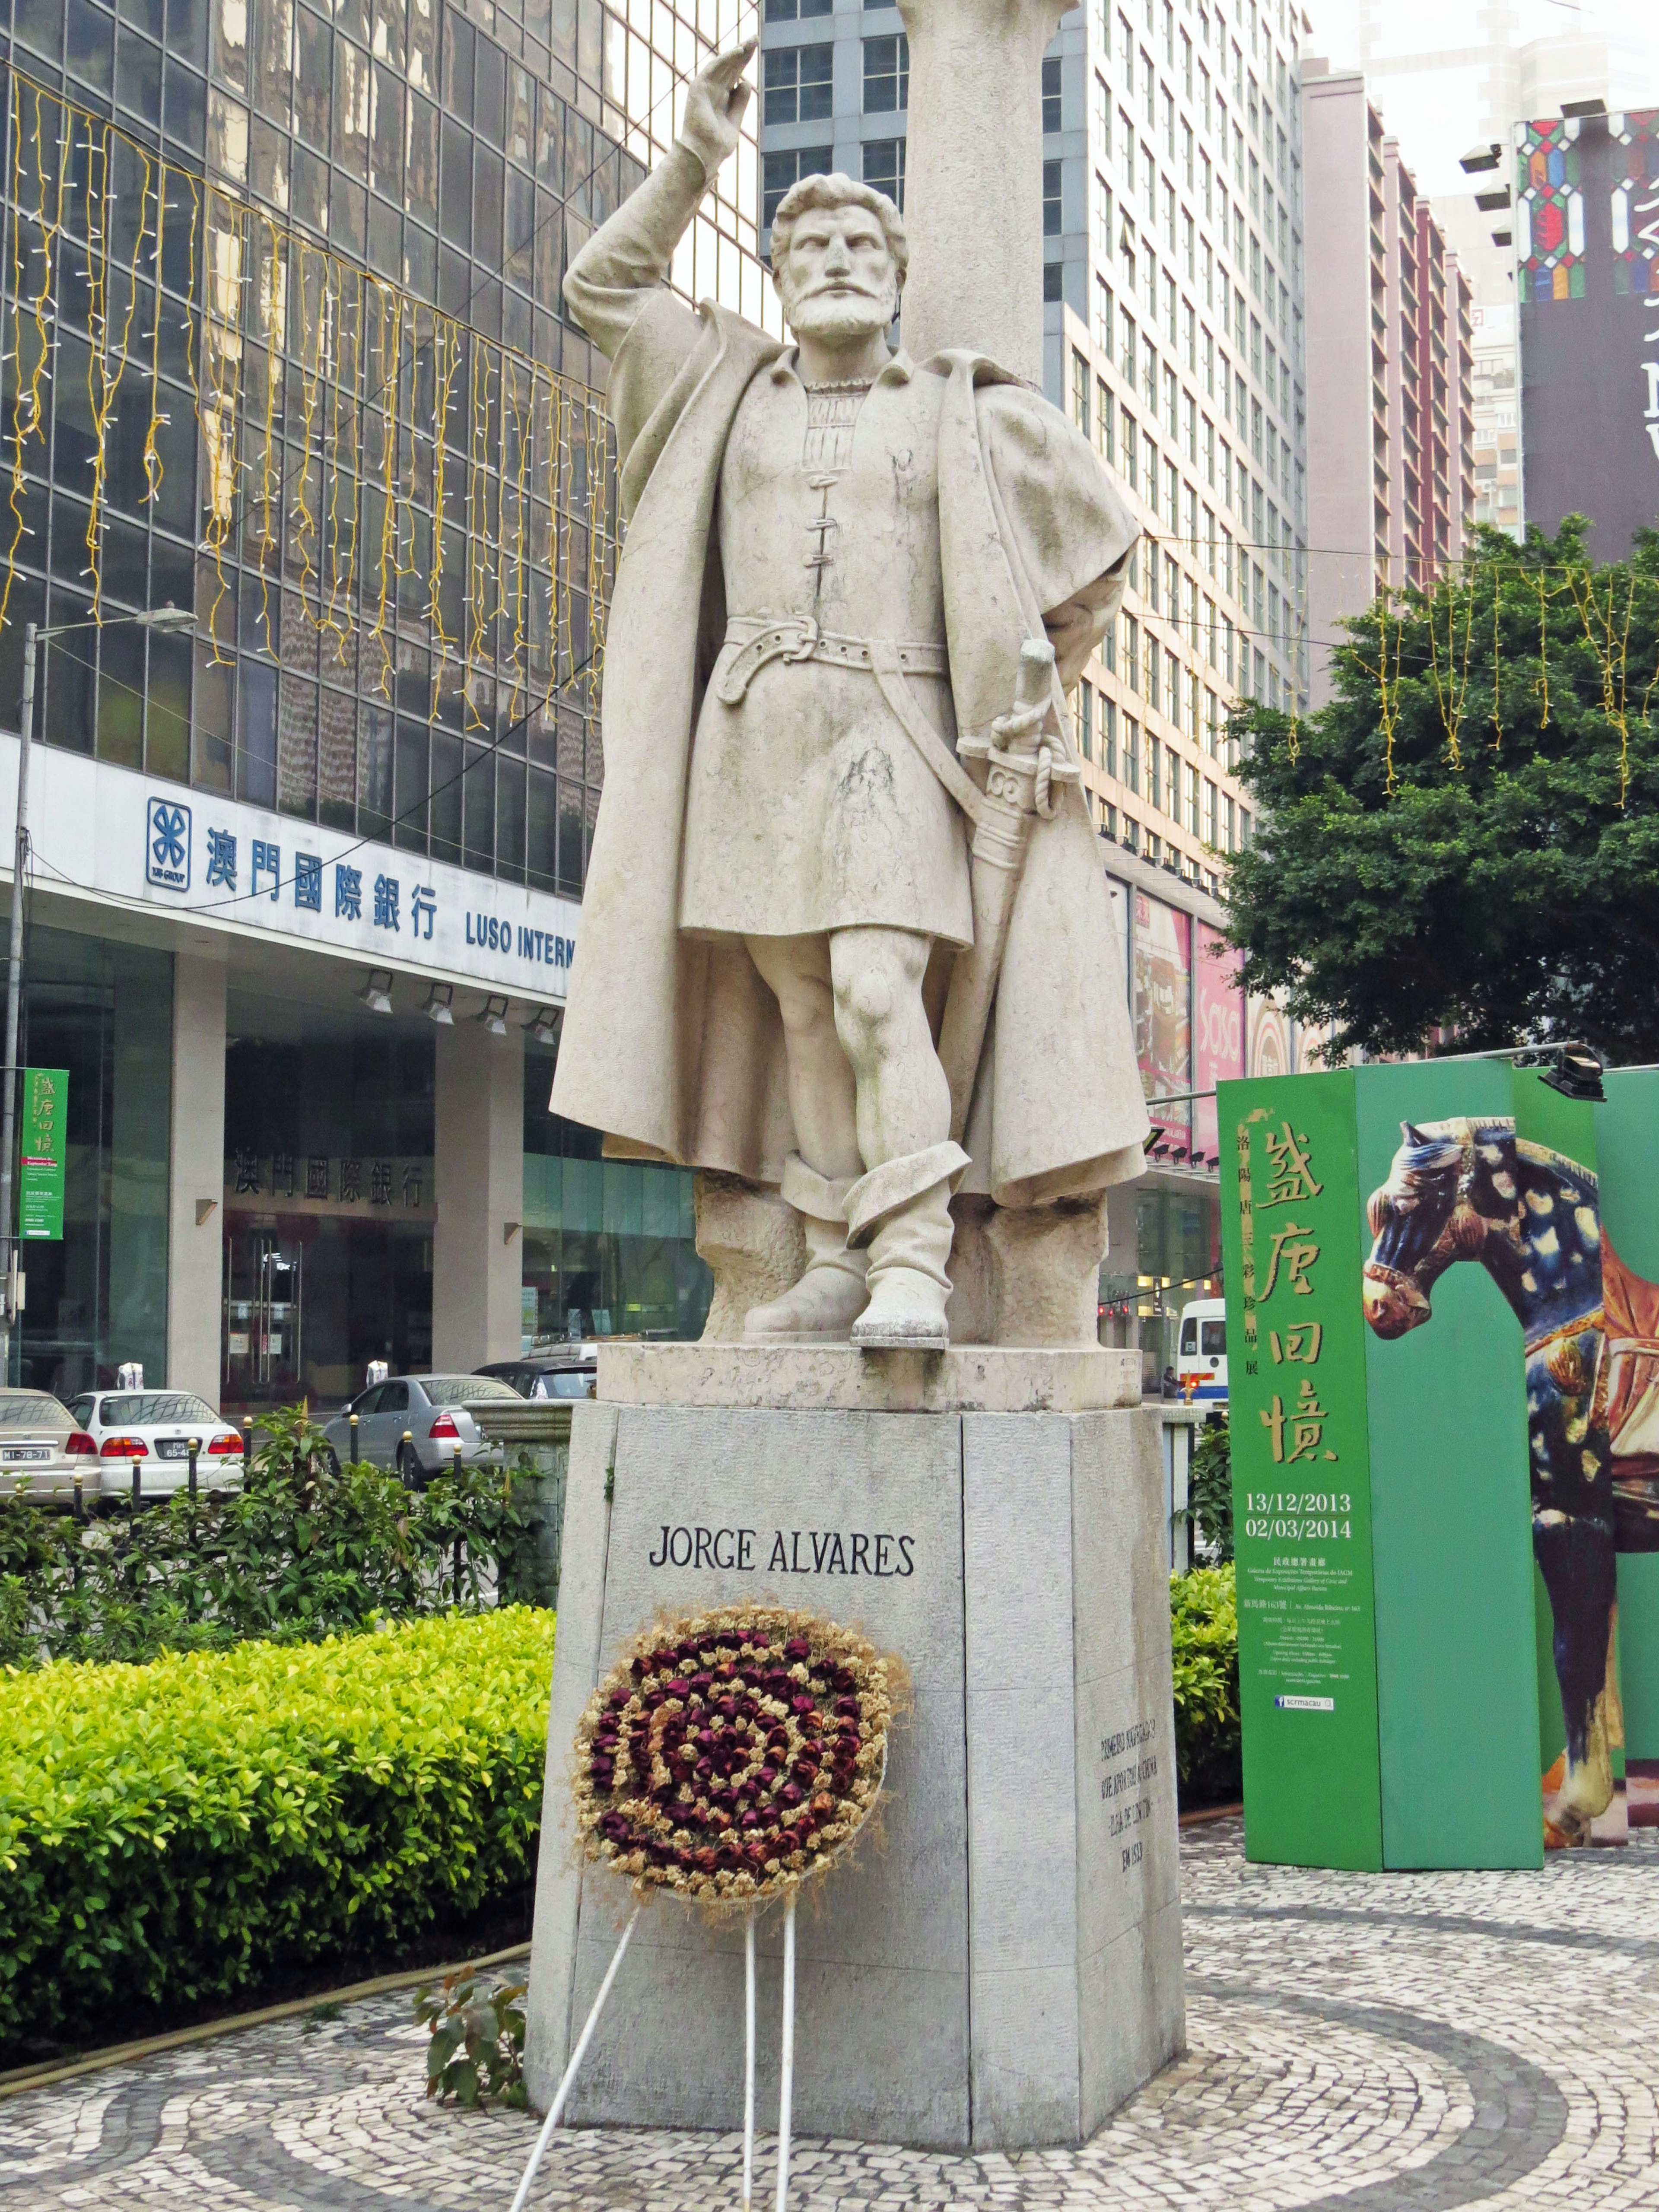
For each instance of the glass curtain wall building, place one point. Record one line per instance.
(283, 343)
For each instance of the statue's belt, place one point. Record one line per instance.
(889, 660)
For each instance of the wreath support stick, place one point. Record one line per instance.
(556, 2107)
(748, 2063)
(786, 2066)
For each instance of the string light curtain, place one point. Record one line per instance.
(386, 500)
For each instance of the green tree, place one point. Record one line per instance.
(1466, 835)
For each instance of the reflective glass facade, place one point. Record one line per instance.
(284, 341)
(609, 1245)
(103, 1012)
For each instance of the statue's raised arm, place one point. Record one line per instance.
(618, 272)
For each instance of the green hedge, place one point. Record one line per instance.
(170, 1833)
(1204, 1640)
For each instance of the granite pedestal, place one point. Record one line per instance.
(999, 1965)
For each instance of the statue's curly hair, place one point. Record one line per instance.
(838, 190)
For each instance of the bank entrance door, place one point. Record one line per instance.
(264, 1301)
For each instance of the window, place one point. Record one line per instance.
(1210, 796)
(1105, 319)
(1131, 449)
(1081, 381)
(1108, 734)
(1051, 94)
(1229, 833)
(1102, 218)
(1171, 404)
(1128, 361)
(1051, 201)
(780, 171)
(1149, 455)
(1104, 423)
(1154, 771)
(1132, 752)
(884, 167)
(1085, 720)
(1172, 696)
(1132, 653)
(798, 84)
(1192, 800)
(886, 75)
(1103, 118)
(788, 11)
(1244, 828)
(1054, 280)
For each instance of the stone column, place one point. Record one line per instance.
(196, 1180)
(478, 1172)
(973, 184)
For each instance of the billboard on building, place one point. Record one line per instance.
(1218, 1043)
(1162, 962)
(1586, 286)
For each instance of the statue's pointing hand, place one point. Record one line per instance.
(715, 102)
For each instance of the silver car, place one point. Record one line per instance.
(415, 1423)
(43, 1449)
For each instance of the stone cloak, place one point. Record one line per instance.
(673, 1046)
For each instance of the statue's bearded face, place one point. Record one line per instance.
(838, 280)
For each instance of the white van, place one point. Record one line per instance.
(1202, 1358)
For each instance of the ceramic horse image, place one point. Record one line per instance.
(1472, 1190)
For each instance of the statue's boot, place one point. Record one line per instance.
(831, 1294)
(902, 1211)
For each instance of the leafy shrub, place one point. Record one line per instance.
(1204, 1640)
(306, 1548)
(476, 2051)
(173, 1832)
(1210, 1491)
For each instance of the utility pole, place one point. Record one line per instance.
(14, 995)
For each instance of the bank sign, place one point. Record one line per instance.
(101, 832)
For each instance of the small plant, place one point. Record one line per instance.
(476, 2051)
(1204, 1652)
(1210, 1492)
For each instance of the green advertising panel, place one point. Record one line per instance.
(1292, 1256)
(1451, 1522)
(40, 1182)
(1628, 1145)
(1479, 1253)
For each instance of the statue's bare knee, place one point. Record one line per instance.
(877, 976)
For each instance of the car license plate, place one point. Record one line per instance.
(171, 1447)
(14, 1452)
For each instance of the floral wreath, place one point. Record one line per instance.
(730, 1754)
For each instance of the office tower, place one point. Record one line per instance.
(1390, 421)
(286, 351)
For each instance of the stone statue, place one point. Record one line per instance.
(842, 832)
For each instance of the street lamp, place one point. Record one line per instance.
(168, 617)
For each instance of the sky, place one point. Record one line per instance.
(1433, 115)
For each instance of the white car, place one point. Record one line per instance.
(42, 1448)
(151, 1430)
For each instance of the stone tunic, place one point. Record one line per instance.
(808, 809)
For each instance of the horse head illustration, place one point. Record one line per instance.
(1470, 1189)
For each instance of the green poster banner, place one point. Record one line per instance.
(40, 1186)
(1291, 1227)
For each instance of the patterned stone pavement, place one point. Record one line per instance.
(1412, 2041)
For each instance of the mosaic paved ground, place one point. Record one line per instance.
(1419, 2041)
